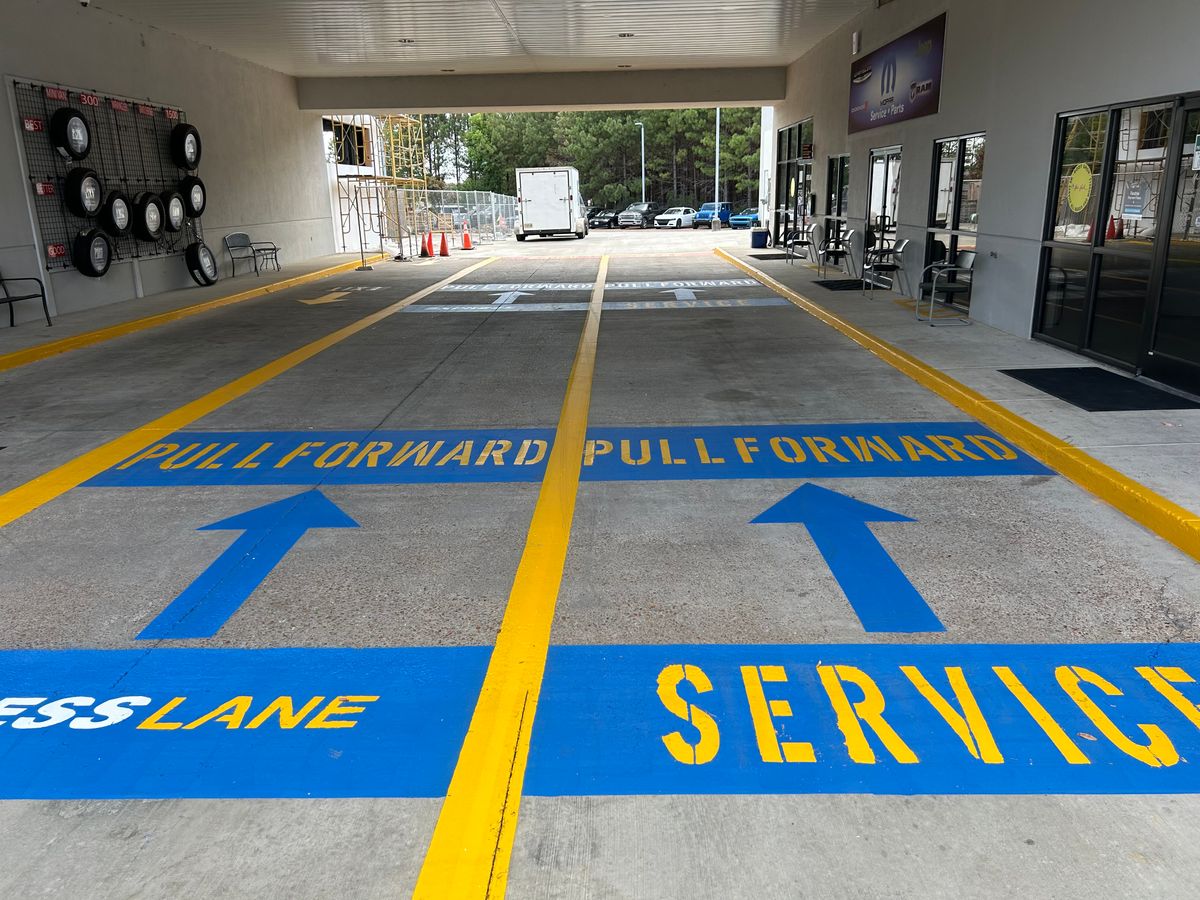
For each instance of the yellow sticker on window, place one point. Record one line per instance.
(1079, 187)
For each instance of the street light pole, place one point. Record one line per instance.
(643, 127)
(716, 219)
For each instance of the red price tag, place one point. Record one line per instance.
(119, 105)
(89, 100)
(172, 114)
(53, 93)
(44, 189)
(144, 110)
(32, 124)
(56, 251)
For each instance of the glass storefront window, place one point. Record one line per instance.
(1081, 153)
(971, 183)
(942, 214)
(1178, 331)
(1121, 288)
(1138, 168)
(1064, 294)
(793, 176)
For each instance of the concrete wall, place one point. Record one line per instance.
(263, 165)
(1009, 69)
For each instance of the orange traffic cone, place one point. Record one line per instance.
(425, 246)
(429, 244)
(466, 241)
(1112, 228)
(445, 250)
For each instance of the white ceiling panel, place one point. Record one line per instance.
(403, 37)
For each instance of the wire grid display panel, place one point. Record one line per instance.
(130, 151)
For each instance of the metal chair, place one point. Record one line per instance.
(888, 261)
(837, 247)
(239, 247)
(947, 279)
(26, 294)
(798, 238)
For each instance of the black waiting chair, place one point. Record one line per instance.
(798, 240)
(951, 280)
(837, 248)
(241, 248)
(887, 262)
(22, 293)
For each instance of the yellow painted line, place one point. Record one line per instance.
(472, 842)
(29, 496)
(1165, 518)
(331, 297)
(54, 348)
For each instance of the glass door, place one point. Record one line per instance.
(1175, 346)
(1128, 235)
(883, 194)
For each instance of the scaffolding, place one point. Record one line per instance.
(382, 187)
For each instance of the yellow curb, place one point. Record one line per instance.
(53, 348)
(1168, 520)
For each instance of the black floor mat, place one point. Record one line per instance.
(842, 284)
(1098, 390)
(768, 256)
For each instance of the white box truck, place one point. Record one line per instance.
(548, 202)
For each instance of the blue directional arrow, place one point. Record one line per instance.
(269, 532)
(882, 597)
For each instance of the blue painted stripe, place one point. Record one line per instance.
(611, 721)
(858, 450)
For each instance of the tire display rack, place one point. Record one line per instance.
(129, 152)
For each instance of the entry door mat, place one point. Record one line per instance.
(1099, 390)
(768, 256)
(842, 284)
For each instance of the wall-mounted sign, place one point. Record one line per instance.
(1079, 187)
(899, 81)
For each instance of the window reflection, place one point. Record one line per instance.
(1064, 294)
(1141, 153)
(1079, 182)
(1178, 332)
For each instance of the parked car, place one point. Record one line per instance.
(640, 215)
(705, 216)
(676, 217)
(602, 218)
(747, 218)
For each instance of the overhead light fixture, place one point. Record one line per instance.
(405, 41)
(625, 34)
(624, 66)
(447, 70)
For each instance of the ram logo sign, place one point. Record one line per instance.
(914, 60)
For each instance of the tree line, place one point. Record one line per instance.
(480, 152)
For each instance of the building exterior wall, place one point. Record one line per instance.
(262, 164)
(1009, 69)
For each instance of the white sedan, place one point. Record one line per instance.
(675, 217)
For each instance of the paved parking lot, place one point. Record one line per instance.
(577, 569)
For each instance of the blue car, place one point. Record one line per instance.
(705, 215)
(747, 218)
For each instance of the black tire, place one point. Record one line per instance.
(175, 209)
(92, 253)
(186, 146)
(70, 133)
(193, 202)
(643, 225)
(521, 237)
(149, 217)
(679, 223)
(201, 263)
(116, 216)
(83, 193)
